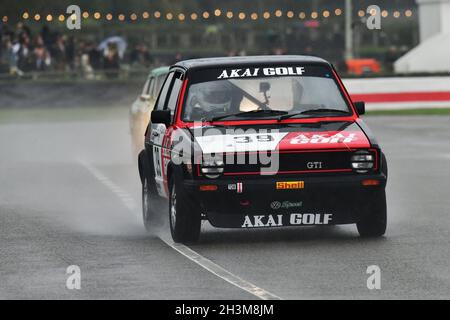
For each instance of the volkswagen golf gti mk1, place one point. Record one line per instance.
(254, 142)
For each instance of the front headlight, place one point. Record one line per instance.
(212, 168)
(362, 161)
(362, 157)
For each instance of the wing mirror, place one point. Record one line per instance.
(360, 107)
(161, 116)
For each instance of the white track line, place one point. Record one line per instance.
(126, 199)
(187, 252)
(221, 272)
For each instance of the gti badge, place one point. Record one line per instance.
(314, 165)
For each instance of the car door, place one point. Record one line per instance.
(155, 135)
(172, 101)
(161, 135)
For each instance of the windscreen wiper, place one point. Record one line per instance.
(312, 111)
(263, 113)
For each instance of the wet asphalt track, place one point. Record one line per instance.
(54, 212)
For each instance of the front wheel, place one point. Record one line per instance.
(184, 215)
(373, 223)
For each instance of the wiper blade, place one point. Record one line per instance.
(248, 113)
(312, 111)
(323, 110)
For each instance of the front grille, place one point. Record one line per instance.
(286, 163)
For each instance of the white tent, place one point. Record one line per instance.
(432, 55)
(433, 52)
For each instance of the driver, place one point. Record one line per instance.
(211, 99)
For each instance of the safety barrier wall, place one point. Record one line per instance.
(401, 92)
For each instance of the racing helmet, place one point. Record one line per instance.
(214, 96)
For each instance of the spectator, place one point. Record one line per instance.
(42, 57)
(59, 53)
(12, 57)
(111, 60)
(140, 55)
(24, 53)
(47, 37)
(70, 52)
(95, 56)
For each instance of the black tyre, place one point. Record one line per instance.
(152, 217)
(374, 220)
(384, 166)
(184, 215)
(148, 215)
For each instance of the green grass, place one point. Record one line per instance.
(411, 112)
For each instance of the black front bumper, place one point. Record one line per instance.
(323, 200)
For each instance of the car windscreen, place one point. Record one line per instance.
(263, 92)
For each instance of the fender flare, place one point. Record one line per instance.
(174, 172)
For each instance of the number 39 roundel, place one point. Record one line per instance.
(240, 142)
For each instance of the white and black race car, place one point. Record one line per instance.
(143, 105)
(250, 142)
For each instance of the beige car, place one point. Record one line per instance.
(143, 105)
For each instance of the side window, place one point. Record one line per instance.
(174, 93)
(146, 87)
(150, 86)
(163, 94)
(159, 80)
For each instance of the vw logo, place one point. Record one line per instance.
(275, 205)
